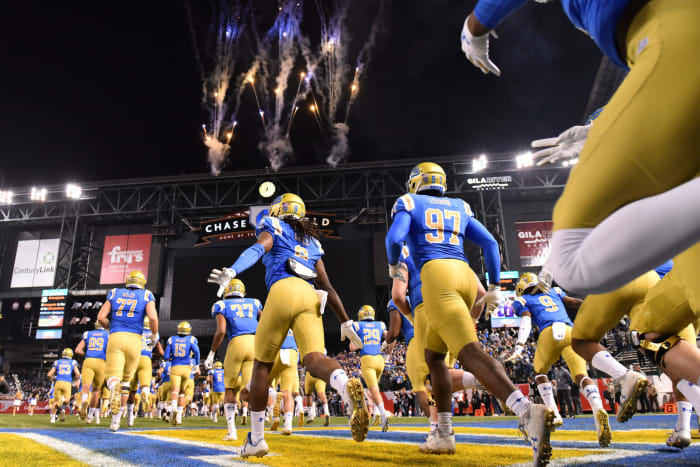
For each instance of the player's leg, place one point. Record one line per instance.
(308, 332)
(308, 391)
(286, 385)
(416, 368)
(145, 374)
(372, 367)
(546, 353)
(87, 376)
(236, 349)
(320, 388)
(114, 369)
(629, 157)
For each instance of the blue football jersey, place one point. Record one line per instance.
(372, 334)
(289, 341)
(96, 343)
(64, 369)
(437, 226)
(128, 309)
(241, 315)
(165, 376)
(415, 292)
(664, 268)
(406, 326)
(179, 348)
(194, 364)
(546, 308)
(286, 246)
(147, 343)
(217, 377)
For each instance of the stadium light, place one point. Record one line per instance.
(38, 194)
(480, 163)
(524, 160)
(6, 197)
(570, 162)
(73, 191)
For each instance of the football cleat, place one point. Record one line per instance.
(53, 419)
(436, 443)
(633, 385)
(328, 420)
(301, 418)
(231, 437)
(376, 420)
(63, 415)
(115, 400)
(130, 418)
(173, 419)
(249, 449)
(679, 439)
(278, 406)
(83, 410)
(309, 419)
(114, 426)
(536, 425)
(287, 431)
(558, 421)
(275, 423)
(244, 419)
(359, 420)
(385, 421)
(602, 426)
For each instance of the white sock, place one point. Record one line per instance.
(116, 418)
(547, 395)
(685, 411)
(518, 403)
(288, 416)
(444, 422)
(433, 425)
(231, 418)
(326, 412)
(84, 397)
(593, 395)
(380, 410)
(245, 411)
(690, 391)
(338, 380)
(606, 363)
(468, 380)
(145, 394)
(257, 426)
(130, 408)
(299, 404)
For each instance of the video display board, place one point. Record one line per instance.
(51, 313)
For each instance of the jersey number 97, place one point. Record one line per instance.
(435, 221)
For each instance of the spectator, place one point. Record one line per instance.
(653, 397)
(564, 383)
(576, 399)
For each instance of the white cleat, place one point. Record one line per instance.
(286, 431)
(249, 449)
(385, 421)
(536, 425)
(130, 419)
(53, 419)
(437, 443)
(97, 420)
(633, 385)
(114, 426)
(602, 426)
(558, 421)
(679, 439)
(231, 437)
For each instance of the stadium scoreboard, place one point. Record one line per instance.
(51, 313)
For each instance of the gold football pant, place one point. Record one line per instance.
(449, 292)
(548, 351)
(312, 385)
(293, 304)
(372, 367)
(123, 351)
(599, 313)
(240, 354)
(144, 372)
(61, 392)
(217, 397)
(179, 375)
(93, 374)
(286, 375)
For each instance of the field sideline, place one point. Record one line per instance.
(482, 441)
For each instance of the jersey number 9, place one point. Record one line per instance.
(549, 304)
(435, 220)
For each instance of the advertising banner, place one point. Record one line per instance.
(35, 263)
(123, 254)
(533, 242)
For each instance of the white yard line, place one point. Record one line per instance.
(75, 451)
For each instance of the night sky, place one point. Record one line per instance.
(108, 90)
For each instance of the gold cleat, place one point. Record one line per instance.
(275, 423)
(359, 421)
(301, 418)
(376, 420)
(83, 410)
(115, 401)
(244, 419)
(629, 407)
(603, 428)
(278, 406)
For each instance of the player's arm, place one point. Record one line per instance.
(76, 373)
(479, 304)
(394, 326)
(159, 373)
(525, 327)
(103, 313)
(152, 318)
(195, 349)
(477, 233)
(158, 349)
(394, 242)
(571, 303)
(168, 351)
(80, 348)
(399, 288)
(51, 372)
(220, 332)
(246, 260)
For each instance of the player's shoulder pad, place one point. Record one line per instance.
(170, 340)
(356, 325)
(85, 335)
(468, 209)
(520, 300)
(559, 291)
(383, 325)
(404, 252)
(193, 339)
(218, 307)
(270, 224)
(403, 203)
(258, 304)
(148, 296)
(112, 293)
(316, 242)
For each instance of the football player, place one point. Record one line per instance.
(434, 227)
(163, 374)
(372, 334)
(548, 310)
(237, 317)
(289, 245)
(189, 385)
(285, 372)
(64, 370)
(178, 350)
(127, 307)
(314, 385)
(603, 234)
(217, 382)
(93, 346)
(144, 373)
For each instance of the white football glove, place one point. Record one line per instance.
(347, 331)
(566, 146)
(154, 340)
(384, 348)
(516, 353)
(398, 271)
(209, 362)
(221, 277)
(493, 298)
(476, 48)
(544, 279)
